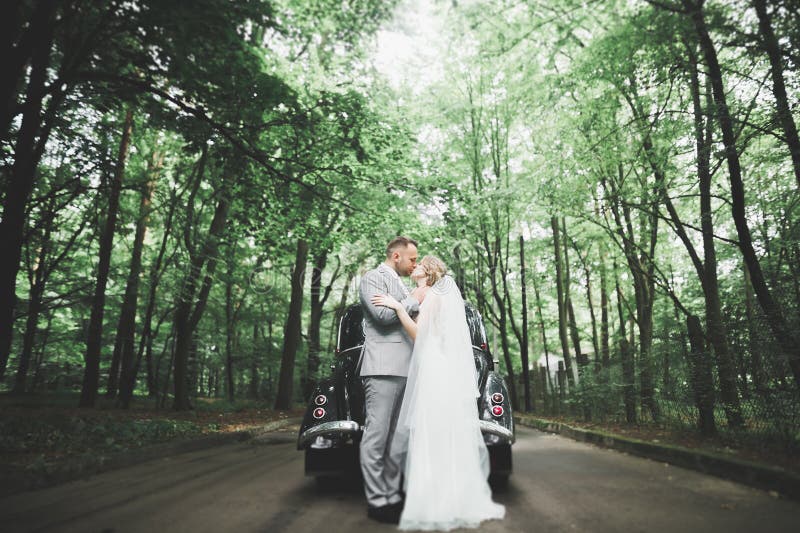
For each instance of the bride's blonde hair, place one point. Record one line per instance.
(435, 269)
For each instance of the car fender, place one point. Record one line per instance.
(331, 406)
(495, 383)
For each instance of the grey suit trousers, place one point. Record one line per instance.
(383, 397)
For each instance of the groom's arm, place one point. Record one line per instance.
(411, 305)
(373, 284)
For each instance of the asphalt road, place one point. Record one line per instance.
(558, 485)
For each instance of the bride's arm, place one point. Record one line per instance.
(405, 319)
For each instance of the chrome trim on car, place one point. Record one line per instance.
(494, 428)
(340, 427)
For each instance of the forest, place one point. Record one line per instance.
(192, 190)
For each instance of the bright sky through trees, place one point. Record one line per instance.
(409, 51)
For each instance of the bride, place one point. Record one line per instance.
(438, 437)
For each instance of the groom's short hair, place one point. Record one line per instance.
(397, 243)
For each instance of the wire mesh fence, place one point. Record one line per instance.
(765, 410)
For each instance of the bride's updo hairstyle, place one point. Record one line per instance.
(435, 269)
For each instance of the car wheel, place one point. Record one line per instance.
(499, 482)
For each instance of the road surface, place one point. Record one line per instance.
(258, 486)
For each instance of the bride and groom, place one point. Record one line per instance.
(420, 387)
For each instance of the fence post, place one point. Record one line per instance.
(542, 376)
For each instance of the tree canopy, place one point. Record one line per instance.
(191, 191)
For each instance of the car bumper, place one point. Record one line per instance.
(493, 428)
(338, 428)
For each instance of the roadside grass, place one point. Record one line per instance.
(38, 431)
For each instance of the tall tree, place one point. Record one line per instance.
(193, 300)
(126, 327)
(707, 267)
(91, 373)
(787, 339)
(526, 379)
(28, 149)
(770, 43)
(562, 300)
(292, 330)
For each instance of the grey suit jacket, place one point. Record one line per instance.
(387, 346)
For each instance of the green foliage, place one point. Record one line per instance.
(575, 110)
(71, 435)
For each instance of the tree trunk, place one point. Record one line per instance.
(604, 356)
(505, 345)
(37, 375)
(320, 261)
(590, 305)
(270, 381)
(503, 317)
(126, 329)
(717, 333)
(759, 379)
(787, 340)
(700, 377)
(254, 376)
(543, 332)
(37, 284)
(21, 39)
(707, 267)
(562, 308)
(646, 373)
(171, 344)
(645, 302)
(571, 322)
(526, 378)
(641, 266)
(458, 271)
(605, 351)
(188, 313)
(91, 375)
(146, 342)
(626, 358)
(230, 390)
(34, 309)
(771, 46)
(292, 329)
(680, 332)
(20, 185)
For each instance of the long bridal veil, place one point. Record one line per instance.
(438, 437)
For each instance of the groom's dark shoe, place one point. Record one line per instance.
(387, 514)
(396, 511)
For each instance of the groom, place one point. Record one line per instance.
(384, 367)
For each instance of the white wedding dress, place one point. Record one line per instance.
(438, 438)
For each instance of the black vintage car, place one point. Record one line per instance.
(331, 428)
